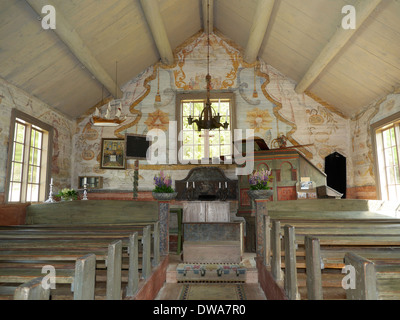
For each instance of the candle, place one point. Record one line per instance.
(193, 184)
(51, 181)
(84, 180)
(226, 184)
(187, 184)
(219, 185)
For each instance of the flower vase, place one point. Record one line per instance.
(260, 194)
(164, 196)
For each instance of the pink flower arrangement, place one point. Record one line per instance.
(260, 179)
(163, 183)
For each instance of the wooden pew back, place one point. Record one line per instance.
(93, 212)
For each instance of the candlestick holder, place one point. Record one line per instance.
(190, 192)
(85, 192)
(223, 193)
(50, 199)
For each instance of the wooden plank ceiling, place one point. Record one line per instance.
(68, 68)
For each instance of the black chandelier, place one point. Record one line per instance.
(208, 119)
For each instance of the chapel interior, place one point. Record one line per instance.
(104, 101)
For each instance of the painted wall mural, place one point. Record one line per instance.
(265, 101)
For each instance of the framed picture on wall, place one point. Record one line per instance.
(112, 154)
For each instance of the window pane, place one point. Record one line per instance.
(197, 108)
(16, 172)
(28, 192)
(393, 139)
(224, 108)
(199, 151)
(225, 137)
(38, 140)
(186, 126)
(188, 153)
(214, 137)
(15, 192)
(225, 150)
(214, 151)
(396, 174)
(198, 138)
(18, 152)
(33, 174)
(19, 133)
(387, 134)
(388, 157)
(187, 109)
(32, 193)
(187, 137)
(390, 175)
(34, 157)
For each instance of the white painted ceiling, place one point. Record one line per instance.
(38, 61)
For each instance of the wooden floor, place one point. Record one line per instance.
(212, 291)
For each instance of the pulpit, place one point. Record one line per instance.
(288, 168)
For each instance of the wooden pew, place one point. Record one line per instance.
(70, 234)
(82, 231)
(82, 278)
(18, 264)
(32, 290)
(326, 252)
(337, 239)
(93, 212)
(375, 278)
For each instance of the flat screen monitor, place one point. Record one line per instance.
(136, 146)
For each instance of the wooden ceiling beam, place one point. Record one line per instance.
(258, 29)
(152, 13)
(208, 27)
(73, 41)
(364, 8)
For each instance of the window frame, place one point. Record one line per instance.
(203, 96)
(377, 147)
(46, 160)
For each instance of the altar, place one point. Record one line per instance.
(206, 211)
